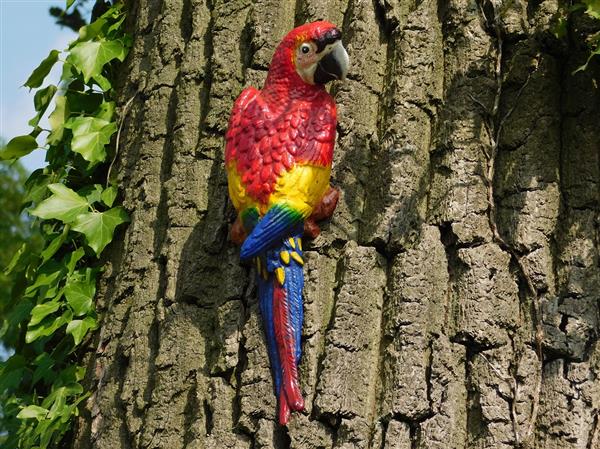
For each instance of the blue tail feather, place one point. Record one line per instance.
(293, 285)
(265, 298)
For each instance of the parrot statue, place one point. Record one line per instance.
(278, 155)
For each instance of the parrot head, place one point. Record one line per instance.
(312, 54)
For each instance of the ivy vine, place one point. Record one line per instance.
(51, 309)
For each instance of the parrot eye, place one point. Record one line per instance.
(305, 48)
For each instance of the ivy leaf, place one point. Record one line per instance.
(37, 76)
(41, 311)
(11, 372)
(103, 82)
(593, 8)
(73, 258)
(88, 32)
(44, 363)
(48, 326)
(84, 103)
(36, 186)
(54, 245)
(64, 204)
(99, 227)
(80, 291)
(89, 57)
(15, 259)
(79, 328)
(48, 277)
(68, 72)
(57, 120)
(41, 100)
(106, 110)
(117, 25)
(33, 411)
(92, 193)
(19, 146)
(109, 195)
(90, 135)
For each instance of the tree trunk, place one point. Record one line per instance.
(453, 300)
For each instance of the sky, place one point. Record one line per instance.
(27, 34)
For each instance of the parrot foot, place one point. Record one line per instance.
(323, 211)
(238, 234)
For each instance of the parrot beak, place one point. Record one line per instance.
(335, 61)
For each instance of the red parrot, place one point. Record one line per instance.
(278, 154)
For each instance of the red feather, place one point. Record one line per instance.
(284, 335)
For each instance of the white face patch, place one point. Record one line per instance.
(307, 59)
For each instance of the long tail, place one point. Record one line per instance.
(280, 284)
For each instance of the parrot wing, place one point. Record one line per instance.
(273, 227)
(311, 133)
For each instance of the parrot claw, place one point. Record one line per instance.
(323, 211)
(311, 228)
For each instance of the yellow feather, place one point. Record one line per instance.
(285, 257)
(297, 258)
(280, 275)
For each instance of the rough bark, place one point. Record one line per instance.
(453, 300)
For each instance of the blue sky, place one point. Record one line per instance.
(27, 34)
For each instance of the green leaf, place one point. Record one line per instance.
(115, 26)
(584, 66)
(44, 363)
(68, 72)
(41, 100)
(88, 32)
(84, 103)
(36, 186)
(15, 259)
(79, 328)
(11, 372)
(93, 193)
(19, 146)
(109, 195)
(91, 56)
(33, 411)
(57, 120)
(41, 311)
(37, 76)
(48, 277)
(54, 245)
(80, 291)
(73, 258)
(106, 111)
(103, 82)
(69, 3)
(90, 135)
(593, 8)
(48, 326)
(64, 204)
(99, 227)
